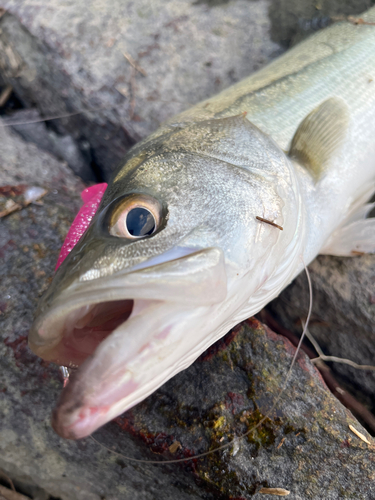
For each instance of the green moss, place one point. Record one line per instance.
(265, 434)
(220, 423)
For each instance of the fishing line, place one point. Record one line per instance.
(73, 113)
(48, 118)
(236, 439)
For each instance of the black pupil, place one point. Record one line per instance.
(140, 222)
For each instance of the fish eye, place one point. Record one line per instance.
(140, 222)
(135, 216)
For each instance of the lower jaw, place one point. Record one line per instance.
(103, 388)
(79, 424)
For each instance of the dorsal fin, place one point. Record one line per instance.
(319, 135)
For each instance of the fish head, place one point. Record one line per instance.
(158, 275)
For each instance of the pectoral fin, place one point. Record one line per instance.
(355, 236)
(355, 239)
(319, 135)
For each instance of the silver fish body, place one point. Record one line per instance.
(132, 310)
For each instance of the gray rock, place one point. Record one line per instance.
(304, 445)
(343, 316)
(30, 126)
(23, 162)
(68, 58)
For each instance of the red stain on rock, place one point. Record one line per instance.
(3, 307)
(9, 245)
(9, 191)
(254, 323)
(29, 362)
(234, 402)
(126, 422)
(18, 347)
(158, 443)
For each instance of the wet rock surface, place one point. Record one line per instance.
(304, 446)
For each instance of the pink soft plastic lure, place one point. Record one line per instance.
(91, 197)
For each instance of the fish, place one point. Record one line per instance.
(207, 220)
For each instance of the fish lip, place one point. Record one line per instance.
(65, 415)
(206, 269)
(76, 416)
(63, 430)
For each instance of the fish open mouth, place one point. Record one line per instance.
(69, 335)
(87, 327)
(126, 333)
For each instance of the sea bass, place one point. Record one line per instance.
(208, 219)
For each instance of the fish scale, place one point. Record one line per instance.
(338, 61)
